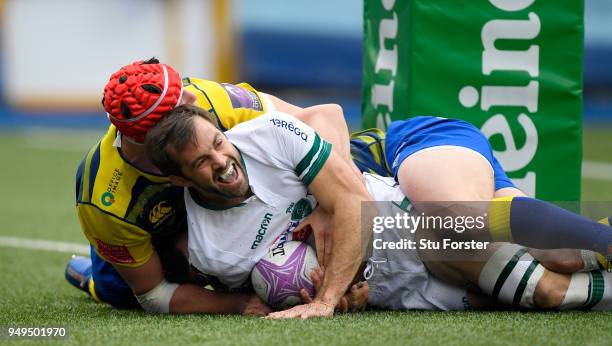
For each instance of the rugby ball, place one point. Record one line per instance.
(278, 277)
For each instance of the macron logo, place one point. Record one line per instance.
(263, 228)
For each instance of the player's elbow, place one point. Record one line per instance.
(334, 108)
(325, 112)
(333, 111)
(157, 300)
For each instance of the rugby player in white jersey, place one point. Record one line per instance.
(241, 195)
(243, 190)
(133, 217)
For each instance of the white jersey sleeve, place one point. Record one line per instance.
(282, 141)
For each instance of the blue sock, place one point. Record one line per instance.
(538, 224)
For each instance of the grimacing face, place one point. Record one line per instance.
(213, 166)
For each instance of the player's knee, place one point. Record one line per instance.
(559, 260)
(563, 266)
(550, 291)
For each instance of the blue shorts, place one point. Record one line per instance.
(406, 137)
(110, 286)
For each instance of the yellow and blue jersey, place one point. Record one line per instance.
(232, 104)
(368, 152)
(123, 209)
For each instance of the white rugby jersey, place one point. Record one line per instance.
(281, 156)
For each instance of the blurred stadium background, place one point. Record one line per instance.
(56, 57)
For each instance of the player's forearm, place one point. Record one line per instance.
(190, 298)
(345, 255)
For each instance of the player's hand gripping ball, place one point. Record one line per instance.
(278, 277)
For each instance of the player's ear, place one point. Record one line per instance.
(188, 97)
(179, 181)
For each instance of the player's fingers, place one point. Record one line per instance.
(303, 311)
(316, 280)
(323, 312)
(343, 305)
(305, 223)
(320, 247)
(309, 314)
(306, 298)
(321, 272)
(276, 315)
(359, 296)
(313, 274)
(295, 311)
(327, 249)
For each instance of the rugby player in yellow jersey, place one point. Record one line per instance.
(133, 218)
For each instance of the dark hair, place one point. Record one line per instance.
(174, 132)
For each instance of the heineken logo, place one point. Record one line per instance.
(513, 68)
(494, 34)
(386, 66)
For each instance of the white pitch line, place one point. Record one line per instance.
(47, 245)
(597, 170)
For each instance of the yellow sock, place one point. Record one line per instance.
(499, 219)
(603, 262)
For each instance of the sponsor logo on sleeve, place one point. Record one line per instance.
(289, 126)
(114, 253)
(242, 98)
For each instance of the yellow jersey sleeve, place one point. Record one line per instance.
(232, 104)
(126, 245)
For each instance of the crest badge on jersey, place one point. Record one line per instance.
(243, 98)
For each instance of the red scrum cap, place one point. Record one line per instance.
(138, 95)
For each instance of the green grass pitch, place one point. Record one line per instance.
(37, 189)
